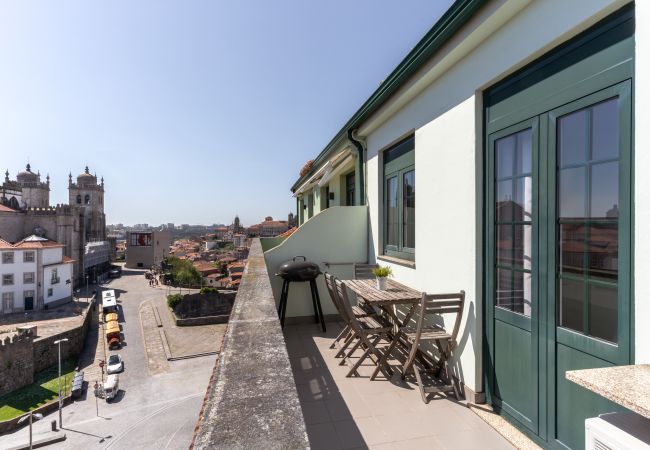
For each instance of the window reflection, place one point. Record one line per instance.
(409, 209)
(588, 198)
(392, 222)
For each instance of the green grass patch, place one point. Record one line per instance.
(44, 389)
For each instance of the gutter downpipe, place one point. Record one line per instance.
(360, 144)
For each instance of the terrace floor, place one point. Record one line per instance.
(349, 413)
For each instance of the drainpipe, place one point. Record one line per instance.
(360, 145)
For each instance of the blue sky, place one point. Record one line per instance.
(193, 111)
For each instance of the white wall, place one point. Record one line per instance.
(18, 268)
(52, 255)
(60, 290)
(448, 127)
(335, 235)
(642, 183)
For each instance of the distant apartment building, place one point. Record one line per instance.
(145, 249)
(35, 275)
(239, 240)
(269, 228)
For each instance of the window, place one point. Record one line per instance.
(140, 239)
(79, 199)
(28, 256)
(7, 279)
(349, 189)
(7, 257)
(55, 276)
(50, 292)
(87, 199)
(7, 302)
(399, 200)
(28, 278)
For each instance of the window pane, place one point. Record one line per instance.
(504, 243)
(408, 191)
(604, 190)
(523, 206)
(571, 301)
(522, 293)
(572, 195)
(391, 212)
(572, 248)
(603, 251)
(504, 289)
(523, 246)
(505, 152)
(524, 152)
(504, 201)
(604, 131)
(572, 137)
(603, 312)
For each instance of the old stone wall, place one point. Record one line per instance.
(25, 356)
(201, 305)
(16, 363)
(46, 353)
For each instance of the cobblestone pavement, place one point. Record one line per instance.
(156, 358)
(184, 341)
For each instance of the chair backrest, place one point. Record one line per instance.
(364, 271)
(330, 282)
(452, 303)
(344, 302)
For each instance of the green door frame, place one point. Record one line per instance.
(601, 64)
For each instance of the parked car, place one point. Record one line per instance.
(115, 364)
(111, 386)
(115, 272)
(77, 385)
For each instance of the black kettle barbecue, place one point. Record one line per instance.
(300, 271)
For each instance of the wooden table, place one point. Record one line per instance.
(395, 294)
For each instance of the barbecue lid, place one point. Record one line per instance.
(296, 270)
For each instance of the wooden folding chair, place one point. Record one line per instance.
(368, 329)
(364, 271)
(435, 304)
(358, 311)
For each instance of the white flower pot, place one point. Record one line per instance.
(381, 283)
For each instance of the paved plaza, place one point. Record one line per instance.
(159, 400)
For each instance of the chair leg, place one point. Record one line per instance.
(340, 336)
(356, 346)
(425, 399)
(370, 350)
(383, 360)
(348, 340)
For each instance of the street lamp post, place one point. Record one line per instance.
(31, 417)
(60, 401)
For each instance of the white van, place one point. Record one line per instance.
(111, 386)
(109, 301)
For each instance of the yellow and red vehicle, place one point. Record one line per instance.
(113, 335)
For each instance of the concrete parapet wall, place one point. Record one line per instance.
(251, 401)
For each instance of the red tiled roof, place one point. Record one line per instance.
(68, 260)
(4, 208)
(38, 244)
(289, 232)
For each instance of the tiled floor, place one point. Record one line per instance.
(347, 413)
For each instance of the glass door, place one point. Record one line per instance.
(589, 171)
(512, 217)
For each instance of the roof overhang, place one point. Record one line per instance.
(458, 14)
(325, 172)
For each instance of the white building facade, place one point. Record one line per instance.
(500, 158)
(35, 275)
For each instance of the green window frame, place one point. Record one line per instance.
(399, 200)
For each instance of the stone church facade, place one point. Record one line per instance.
(79, 225)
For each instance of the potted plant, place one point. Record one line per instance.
(382, 273)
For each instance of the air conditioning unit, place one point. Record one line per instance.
(617, 431)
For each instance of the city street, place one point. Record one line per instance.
(159, 401)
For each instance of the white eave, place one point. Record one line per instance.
(326, 172)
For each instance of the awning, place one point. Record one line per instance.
(332, 167)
